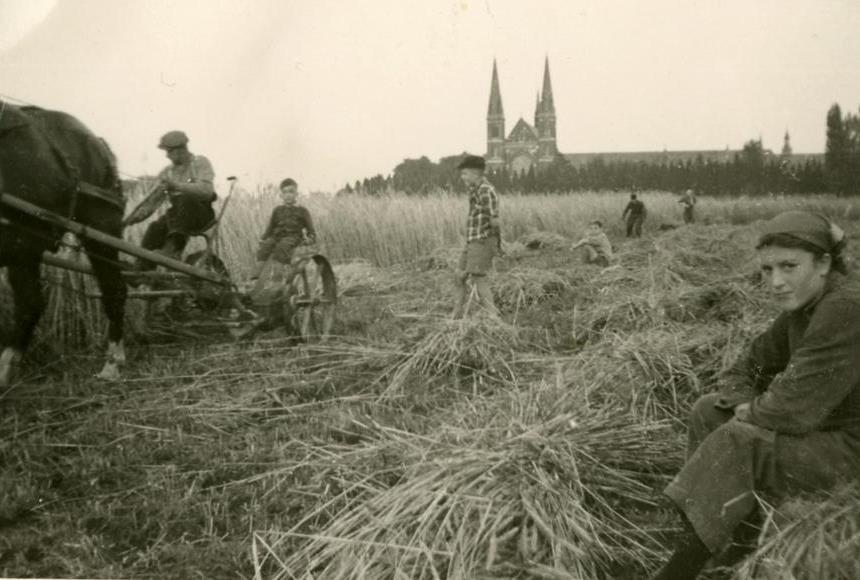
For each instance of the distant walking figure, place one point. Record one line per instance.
(787, 418)
(688, 202)
(482, 237)
(635, 213)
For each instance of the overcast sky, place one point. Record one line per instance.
(328, 91)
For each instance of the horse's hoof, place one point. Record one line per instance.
(110, 372)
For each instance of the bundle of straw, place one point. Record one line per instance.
(520, 287)
(479, 346)
(536, 240)
(527, 497)
(811, 538)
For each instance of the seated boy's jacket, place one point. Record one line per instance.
(289, 221)
(599, 242)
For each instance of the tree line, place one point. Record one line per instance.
(753, 170)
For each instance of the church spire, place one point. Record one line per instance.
(786, 145)
(545, 121)
(495, 108)
(495, 125)
(546, 96)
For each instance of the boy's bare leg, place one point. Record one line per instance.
(461, 293)
(485, 294)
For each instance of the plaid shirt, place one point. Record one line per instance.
(483, 206)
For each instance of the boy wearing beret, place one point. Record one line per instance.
(482, 237)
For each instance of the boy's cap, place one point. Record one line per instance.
(173, 139)
(472, 162)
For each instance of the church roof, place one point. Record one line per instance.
(651, 157)
(522, 129)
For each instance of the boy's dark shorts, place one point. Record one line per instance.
(279, 250)
(477, 258)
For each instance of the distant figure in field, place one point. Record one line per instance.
(596, 245)
(483, 237)
(635, 213)
(688, 202)
(289, 226)
(188, 184)
(786, 418)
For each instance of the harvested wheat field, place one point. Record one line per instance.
(409, 446)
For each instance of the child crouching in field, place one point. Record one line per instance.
(289, 226)
(596, 244)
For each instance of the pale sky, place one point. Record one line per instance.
(328, 91)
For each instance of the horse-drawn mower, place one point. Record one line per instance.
(197, 296)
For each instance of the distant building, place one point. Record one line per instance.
(654, 157)
(535, 145)
(526, 145)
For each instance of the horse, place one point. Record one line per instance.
(52, 160)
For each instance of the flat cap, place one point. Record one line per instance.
(472, 162)
(173, 139)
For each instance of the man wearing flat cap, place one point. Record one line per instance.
(482, 237)
(188, 184)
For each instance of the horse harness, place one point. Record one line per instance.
(78, 187)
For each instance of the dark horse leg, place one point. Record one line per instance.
(103, 260)
(24, 278)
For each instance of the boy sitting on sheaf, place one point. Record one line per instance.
(289, 227)
(596, 245)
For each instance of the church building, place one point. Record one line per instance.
(530, 146)
(527, 145)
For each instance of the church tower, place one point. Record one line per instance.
(495, 126)
(786, 145)
(545, 121)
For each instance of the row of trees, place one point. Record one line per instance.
(754, 170)
(842, 153)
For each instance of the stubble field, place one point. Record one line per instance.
(410, 445)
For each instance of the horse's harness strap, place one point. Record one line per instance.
(81, 186)
(98, 192)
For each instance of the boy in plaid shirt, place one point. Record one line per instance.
(482, 237)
